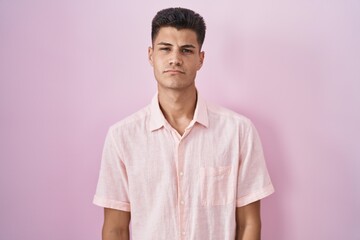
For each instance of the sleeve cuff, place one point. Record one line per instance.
(123, 206)
(252, 197)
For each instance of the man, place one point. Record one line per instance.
(184, 169)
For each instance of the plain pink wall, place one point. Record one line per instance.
(70, 69)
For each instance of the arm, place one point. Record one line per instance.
(116, 225)
(248, 222)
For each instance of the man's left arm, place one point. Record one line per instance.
(248, 222)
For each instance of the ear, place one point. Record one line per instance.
(201, 60)
(150, 55)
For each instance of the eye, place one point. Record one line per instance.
(186, 50)
(166, 49)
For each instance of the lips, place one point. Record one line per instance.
(174, 71)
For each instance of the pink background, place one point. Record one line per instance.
(69, 69)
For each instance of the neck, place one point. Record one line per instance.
(178, 107)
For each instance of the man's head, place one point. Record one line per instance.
(179, 18)
(175, 55)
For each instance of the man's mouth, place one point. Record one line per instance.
(174, 71)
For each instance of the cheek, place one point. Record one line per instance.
(195, 66)
(158, 68)
(159, 62)
(199, 65)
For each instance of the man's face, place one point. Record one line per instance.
(175, 57)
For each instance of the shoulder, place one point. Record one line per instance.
(230, 123)
(219, 113)
(133, 121)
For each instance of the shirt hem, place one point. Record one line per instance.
(266, 191)
(106, 203)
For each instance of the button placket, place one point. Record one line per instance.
(181, 186)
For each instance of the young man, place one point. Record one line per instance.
(184, 169)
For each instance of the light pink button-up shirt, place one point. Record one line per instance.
(182, 187)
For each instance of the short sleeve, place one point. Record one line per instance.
(253, 181)
(112, 187)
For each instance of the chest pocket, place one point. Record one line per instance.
(217, 185)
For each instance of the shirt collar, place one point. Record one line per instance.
(201, 113)
(157, 119)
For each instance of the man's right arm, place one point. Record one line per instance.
(116, 225)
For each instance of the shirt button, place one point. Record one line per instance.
(182, 202)
(183, 233)
(181, 173)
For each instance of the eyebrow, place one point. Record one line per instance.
(188, 46)
(183, 46)
(164, 43)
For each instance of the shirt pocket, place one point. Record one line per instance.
(217, 185)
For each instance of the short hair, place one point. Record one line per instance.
(179, 18)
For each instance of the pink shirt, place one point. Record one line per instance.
(182, 187)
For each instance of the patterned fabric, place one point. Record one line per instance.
(182, 187)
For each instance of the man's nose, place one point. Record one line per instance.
(175, 59)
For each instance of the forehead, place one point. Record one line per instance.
(176, 37)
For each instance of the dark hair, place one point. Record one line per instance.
(179, 18)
